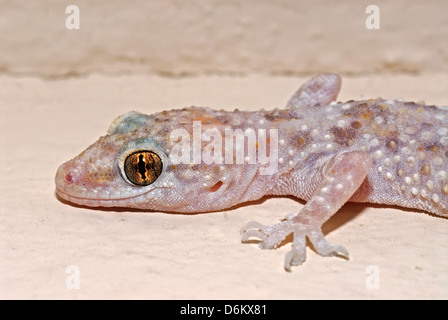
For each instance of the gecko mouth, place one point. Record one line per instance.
(91, 202)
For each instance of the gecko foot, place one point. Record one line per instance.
(271, 236)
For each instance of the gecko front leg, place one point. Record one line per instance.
(341, 177)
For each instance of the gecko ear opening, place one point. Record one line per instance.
(127, 122)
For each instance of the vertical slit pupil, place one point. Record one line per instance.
(141, 167)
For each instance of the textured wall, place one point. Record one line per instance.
(223, 36)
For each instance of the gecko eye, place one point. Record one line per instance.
(143, 167)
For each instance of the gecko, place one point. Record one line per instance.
(327, 153)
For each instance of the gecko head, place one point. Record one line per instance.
(121, 169)
(131, 167)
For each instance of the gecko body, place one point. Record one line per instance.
(325, 152)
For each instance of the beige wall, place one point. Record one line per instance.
(223, 36)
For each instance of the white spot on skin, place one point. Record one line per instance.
(407, 180)
(374, 143)
(389, 176)
(414, 191)
(342, 123)
(423, 194)
(441, 175)
(442, 131)
(380, 169)
(379, 120)
(281, 142)
(444, 141)
(430, 185)
(327, 137)
(339, 187)
(427, 135)
(329, 146)
(437, 161)
(397, 159)
(314, 133)
(435, 198)
(416, 177)
(406, 150)
(304, 127)
(387, 162)
(378, 154)
(410, 130)
(410, 161)
(207, 177)
(291, 153)
(280, 160)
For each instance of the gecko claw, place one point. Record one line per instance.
(270, 236)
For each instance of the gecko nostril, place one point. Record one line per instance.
(69, 177)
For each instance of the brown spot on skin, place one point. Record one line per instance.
(392, 145)
(356, 124)
(425, 169)
(445, 189)
(301, 140)
(344, 136)
(283, 114)
(432, 147)
(366, 116)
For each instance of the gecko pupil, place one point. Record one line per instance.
(143, 167)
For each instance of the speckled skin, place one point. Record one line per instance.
(378, 151)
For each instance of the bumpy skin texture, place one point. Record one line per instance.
(378, 151)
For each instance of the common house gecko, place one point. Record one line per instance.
(327, 153)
